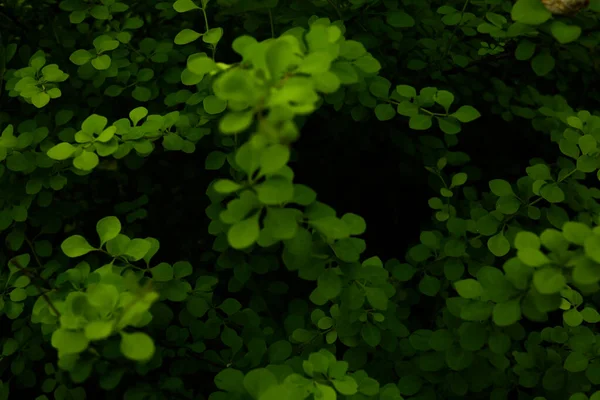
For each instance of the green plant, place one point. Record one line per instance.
(106, 108)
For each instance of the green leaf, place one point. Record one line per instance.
(63, 116)
(345, 385)
(197, 306)
(215, 160)
(565, 33)
(532, 257)
(371, 334)
(108, 228)
(102, 62)
(304, 195)
(69, 342)
(182, 6)
(444, 98)
(530, 12)
(212, 36)
(18, 294)
(429, 285)
(186, 36)
(449, 126)
(576, 362)
(230, 306)
(408, 385)
(430, 239)
(576, 232)
(114, 90)
(317, 362)
(352, 49)
(469, 288)
(76, 246)
(230, 380)
(406, 91)
(163, 272)
(275, 190)
(273, 158)
(527, 240)
(572, 317)
(553, 193)
(590, 315)
(145, 74)
(323, 392)
(384, 112)
(508, 204)
(182, 269)
(420, 122)
(61, 151)
(243, 234)
(137, 114)
(549, 280)
(258, 381)
(592, 247)
(356, 224)
(10, 347)
(200, 64)
(377, 298)
(317, 63)
(235, 122)
(81, 57)
(137, 249)
(399, 19)
(525, 50)
(282, 223)
(539, 172)
(137, 346)
(368, 64)
(331, 227)
(226, 186)
(280, 351)
(86, 161)
(329, 284)
(506, 314)
(100, 12)
(99, 330)
(500, 187)
(466, 114)
(40, 99)
(588, 144)
(141, 93)
(77, 16)
(542, 63)
(94, 124)
(498, 245)
(459, 179)
(231, 339)
(22, 281)
(214, 105)
(407, 109)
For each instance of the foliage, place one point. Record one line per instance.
(495, 298)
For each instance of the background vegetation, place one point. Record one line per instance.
(185, 190)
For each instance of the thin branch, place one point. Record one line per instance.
(33, 276)
(4, 12)
(337, 10)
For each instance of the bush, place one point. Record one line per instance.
(463, 132)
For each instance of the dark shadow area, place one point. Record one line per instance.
(357, 168)
(502, 150)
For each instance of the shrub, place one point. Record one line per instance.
(466, 131)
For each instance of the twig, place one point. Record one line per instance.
(337, 10)
(33, 276)
(10, 16)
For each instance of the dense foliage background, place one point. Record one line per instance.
(162, 233)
